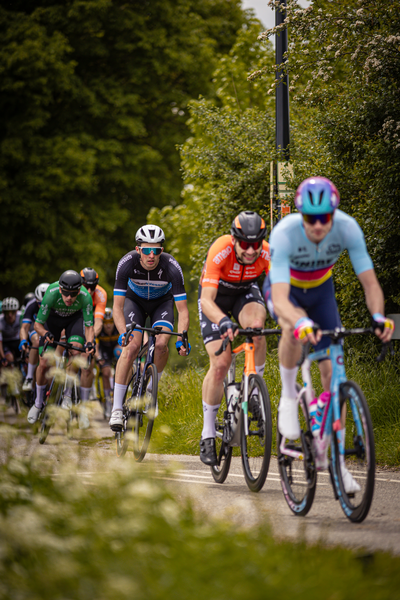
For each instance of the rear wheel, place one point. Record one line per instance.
(223, 449)
(145, 413)
(297, 470)
(256, 446)
(359, 454)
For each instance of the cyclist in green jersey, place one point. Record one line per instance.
(66, 305)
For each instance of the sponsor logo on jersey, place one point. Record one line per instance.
(236, 267)
(131, 315)
(214, 327)
(203, 324)
(122, 262)
(334, 249)
(222, 255)
(265, 254)
(208, 339)
(160, 272)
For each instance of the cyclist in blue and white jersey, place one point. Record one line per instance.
(147, 283)
(299, 291)
(9, 334)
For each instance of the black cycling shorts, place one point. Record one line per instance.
(11, 346)
(160, 311)
(73, 325)
(231, 306)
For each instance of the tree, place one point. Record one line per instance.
(93, 97)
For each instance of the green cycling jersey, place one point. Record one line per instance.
(53, 301)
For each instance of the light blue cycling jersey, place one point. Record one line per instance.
(300, 262)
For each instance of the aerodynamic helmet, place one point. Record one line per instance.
(249, 226)
(70, 281)
(89, 277)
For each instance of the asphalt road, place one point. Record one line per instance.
(188, 477)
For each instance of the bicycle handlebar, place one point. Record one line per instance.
(157, 331)
(249, 332)
(67, 346)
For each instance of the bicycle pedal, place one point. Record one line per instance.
(116, 428)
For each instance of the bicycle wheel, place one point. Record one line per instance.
(256, 446)
(298, 473)
(47, 419)
(145, 412)
(223, 449)
(14, 402)
(359, 453)
(122, 437)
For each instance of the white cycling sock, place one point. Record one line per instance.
(260, 370)
(119, 393)
(85, 392)
(39, 395)
(288, 377)
(209, 414)
(69, 382)
(150, 386)
(31, 371)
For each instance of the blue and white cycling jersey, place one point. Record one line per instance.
(300, 262)
(132, 279)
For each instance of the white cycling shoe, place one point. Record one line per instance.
(66, 403)
(288, 420)
(83, 421)
(116, 419)
(350, 485)
(33, 414)
(27, 385)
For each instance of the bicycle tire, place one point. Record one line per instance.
(256, 447)
(47, 420)
(359, 444)
(14, 402)
(223, 449)
(298, 476)
(144, 416)
(122, 437)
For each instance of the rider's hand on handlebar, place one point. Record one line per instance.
(4, 362)
(383, 326)
(180, 346)
(304, 331)
(23, 345)
(227, 328)
(49, 336)
(90, 347)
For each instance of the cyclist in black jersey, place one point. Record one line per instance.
(147, 283)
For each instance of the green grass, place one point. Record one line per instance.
(178, 427)
(119, 533)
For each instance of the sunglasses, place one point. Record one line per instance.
(323, 219)
(90, 286)
(246, 245)
(148, 251)
(69, 294)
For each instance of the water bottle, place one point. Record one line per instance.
(319, 412)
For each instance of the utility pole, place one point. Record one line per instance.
(282, 135)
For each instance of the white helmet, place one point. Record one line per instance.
(150, 234)
(10, 304)
(40, 291)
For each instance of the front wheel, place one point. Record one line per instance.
(47, 416)
(354, 454)
(145, 413)
(122, 437)
(256, 446)
(223, 449)
(296, 464)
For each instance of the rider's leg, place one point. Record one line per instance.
(213, 386)
(124, 366)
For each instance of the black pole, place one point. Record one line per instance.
(282, 136)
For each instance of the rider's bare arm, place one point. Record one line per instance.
(208, 305)
(40, 329)
(374, 299)
(118, 313)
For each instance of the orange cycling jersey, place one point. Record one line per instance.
(99, 299)
(222, 270)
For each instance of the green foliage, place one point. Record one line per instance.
(344, 69)
(122, 533)
(93, 98)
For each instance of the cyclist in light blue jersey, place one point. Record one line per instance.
(148, 282)
(299, 290)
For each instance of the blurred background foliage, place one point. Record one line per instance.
(112, 114)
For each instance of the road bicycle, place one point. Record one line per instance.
(140, 402)
(346, 428)
(54, 394)
(244, 418)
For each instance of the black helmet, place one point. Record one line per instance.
(89, 277)
(70, 281)
(29, 296)
(249, 226)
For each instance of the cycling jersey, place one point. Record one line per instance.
(53, 304)
(31, 311)
(302, 263)
(108, 341)
(99, 300)
(223, 271)
(132, 280)
(10, 332)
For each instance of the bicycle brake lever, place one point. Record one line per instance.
(304, 351)
(223, 347)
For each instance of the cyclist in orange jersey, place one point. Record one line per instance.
(228, 288)
(90, 280)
